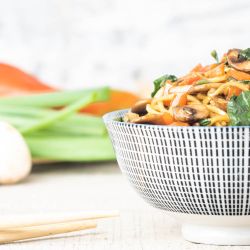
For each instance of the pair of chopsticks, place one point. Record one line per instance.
(34, 226)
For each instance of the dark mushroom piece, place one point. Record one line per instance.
(145, 119)
(190, 113)
(238, 62)
(140, 106)
(148, 119)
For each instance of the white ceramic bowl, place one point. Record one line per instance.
(200, 175)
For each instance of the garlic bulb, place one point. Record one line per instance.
(15, 158)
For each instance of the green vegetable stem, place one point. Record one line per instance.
(60, 134)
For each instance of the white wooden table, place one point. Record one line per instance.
(70, 187)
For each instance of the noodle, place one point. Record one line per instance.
(193, 99)
(241, 86)
(199, 98)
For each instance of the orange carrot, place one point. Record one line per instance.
(190, 80)
(217, 71)
(165, 119)
(118, 100)
(197, 68)
(179, 100)
(238, 75)
(208, 67)
(179, 124)
(14, 81)
(233, 91)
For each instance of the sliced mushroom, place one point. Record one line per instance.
(220, 103)
(148, 119)
(204, 87)
(145, 119)
(236, 61)
(190, 113)
(140, 107)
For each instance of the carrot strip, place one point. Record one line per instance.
(238, 75)
(118, 100)
(179, 124)
(14, 81)
(179, 100)
(217, 71)
(233, 91)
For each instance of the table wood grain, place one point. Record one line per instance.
(74, 187)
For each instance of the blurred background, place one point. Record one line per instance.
(124, 44)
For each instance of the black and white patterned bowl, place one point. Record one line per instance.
(199, 174)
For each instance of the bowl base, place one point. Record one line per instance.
(216, 235)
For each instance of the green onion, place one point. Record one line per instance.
(204, 122)
(28, 112)
(47, 121)
(214, 54)
(63, 148)
(245, 81)
(60, 134)
(66, 126)
(54, 99)
(62, 114)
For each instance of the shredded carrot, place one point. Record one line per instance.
(179, 100)
(233, 91)
(217, 71)
(238, 75)
(179, 124)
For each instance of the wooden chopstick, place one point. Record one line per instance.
(36, 220)
(16, 234)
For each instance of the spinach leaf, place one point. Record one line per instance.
(238, 109)
(214, 54)
(245, 54)
(159, 82)
(245, 81)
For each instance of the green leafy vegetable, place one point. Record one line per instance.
(238, 109)
(245, 81)
(214, 54)
(245, 54)
(204, 122)
(158, 83)
(119, 119)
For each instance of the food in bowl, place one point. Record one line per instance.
(213, 95)
(200, 172)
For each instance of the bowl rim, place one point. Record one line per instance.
(109, 118)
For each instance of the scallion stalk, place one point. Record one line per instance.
(63, 148)
(68, 110)
(54, 99)
(66, 127)
(37, 112)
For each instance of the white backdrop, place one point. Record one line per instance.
(76, 43)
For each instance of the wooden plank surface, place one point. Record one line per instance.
(71, 187)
